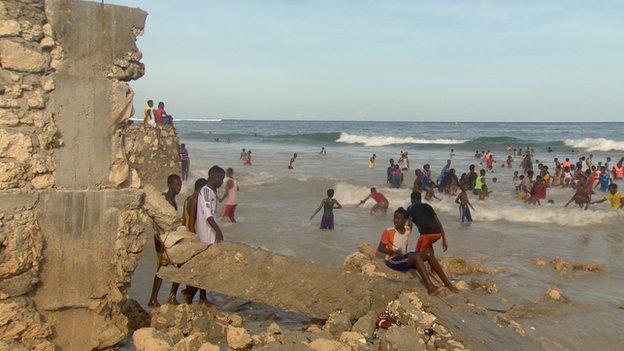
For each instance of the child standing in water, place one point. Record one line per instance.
(464, 211)
(328, 205)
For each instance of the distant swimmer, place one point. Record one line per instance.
(464, 206)
(509, 150)
(323, 152)
(247, 158)
(328, 204)
(550, 149)
(292, 161)
(389, 171)
(618, 170)
(615, 197)
(538, 191)
(231, 196)
(452, 153)
(371, 161)
(243, 154)
(381, 204)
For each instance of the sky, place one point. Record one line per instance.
(510, 61)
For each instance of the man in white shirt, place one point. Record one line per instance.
(206, 226)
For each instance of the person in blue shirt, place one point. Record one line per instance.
(605, 179)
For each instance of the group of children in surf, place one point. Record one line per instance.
(583, 176)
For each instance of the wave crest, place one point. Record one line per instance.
(387, 140)
(595, 144)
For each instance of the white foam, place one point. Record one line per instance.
(595, 144)
(490, 210)
(198, 119)
(387, 140)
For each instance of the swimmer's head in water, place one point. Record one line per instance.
(330, 192)
(182, 145)
(494, 180)
(471, 168)
(229, 172)
(400, 217)
(552, 202)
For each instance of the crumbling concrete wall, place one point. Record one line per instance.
(71, 216)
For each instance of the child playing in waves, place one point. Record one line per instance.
(615, 198)
(371, 161)
(247, 158)
(381, 205)
(464, 202)
(393, 244)
(538, 191)
(328, 205)
(292, 161)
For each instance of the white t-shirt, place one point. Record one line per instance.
(206, 208)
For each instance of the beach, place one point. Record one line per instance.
(275, 204)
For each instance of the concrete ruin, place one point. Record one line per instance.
(71, 217)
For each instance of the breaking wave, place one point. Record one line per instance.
(488, 211)
(387, 140)
(595, 144)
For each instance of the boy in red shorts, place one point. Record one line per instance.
(393, 244)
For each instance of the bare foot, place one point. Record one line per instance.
(153, 303)
(435, 290)
(452, 288)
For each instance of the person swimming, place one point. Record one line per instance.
(381, 202)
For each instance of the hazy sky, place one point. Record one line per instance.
(376, 60)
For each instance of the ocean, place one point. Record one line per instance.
(275, 205)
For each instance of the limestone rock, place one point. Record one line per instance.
(190, 343)
(238, 338)
(35, 99)
(47, 83)
(556, 294)
(8, 118)
(338, 322)
(355, 261)
(208, 347)
(11, 175)
(40, 164)
(541, 261)
(367, 249)
(9, 28)
(486, 285)
(352, 339)
(160, 210)
(22, 57)
(462, 285)
(328, 345)
(137, 317)
(46, 43)
(401, 338)
(150, 339)
(15, 145)
(119, 172)
(456, 265)
(43, 181)
(366, 325)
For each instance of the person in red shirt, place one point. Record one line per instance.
(381, 205)
(159, 114)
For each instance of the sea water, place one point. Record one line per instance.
(275, 205)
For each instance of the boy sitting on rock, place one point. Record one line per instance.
(393, 244)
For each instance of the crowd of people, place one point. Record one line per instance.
(585, 178)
